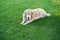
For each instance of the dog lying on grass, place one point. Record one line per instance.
(30, 15)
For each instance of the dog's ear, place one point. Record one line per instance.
(24, 16)
(25, 12)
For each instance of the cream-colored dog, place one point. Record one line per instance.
(30, 15)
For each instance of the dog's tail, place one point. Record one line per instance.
(48, 14)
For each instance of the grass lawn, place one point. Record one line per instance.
(41, 29)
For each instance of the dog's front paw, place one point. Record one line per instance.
(22, 22)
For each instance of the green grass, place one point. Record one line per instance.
(41, 29)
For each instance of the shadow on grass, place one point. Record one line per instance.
(49, 21)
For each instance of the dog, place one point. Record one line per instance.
(30, 15)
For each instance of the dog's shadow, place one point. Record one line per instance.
(47, 21)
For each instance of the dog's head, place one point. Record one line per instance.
(28, 16)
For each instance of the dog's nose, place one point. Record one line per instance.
(28, 18)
